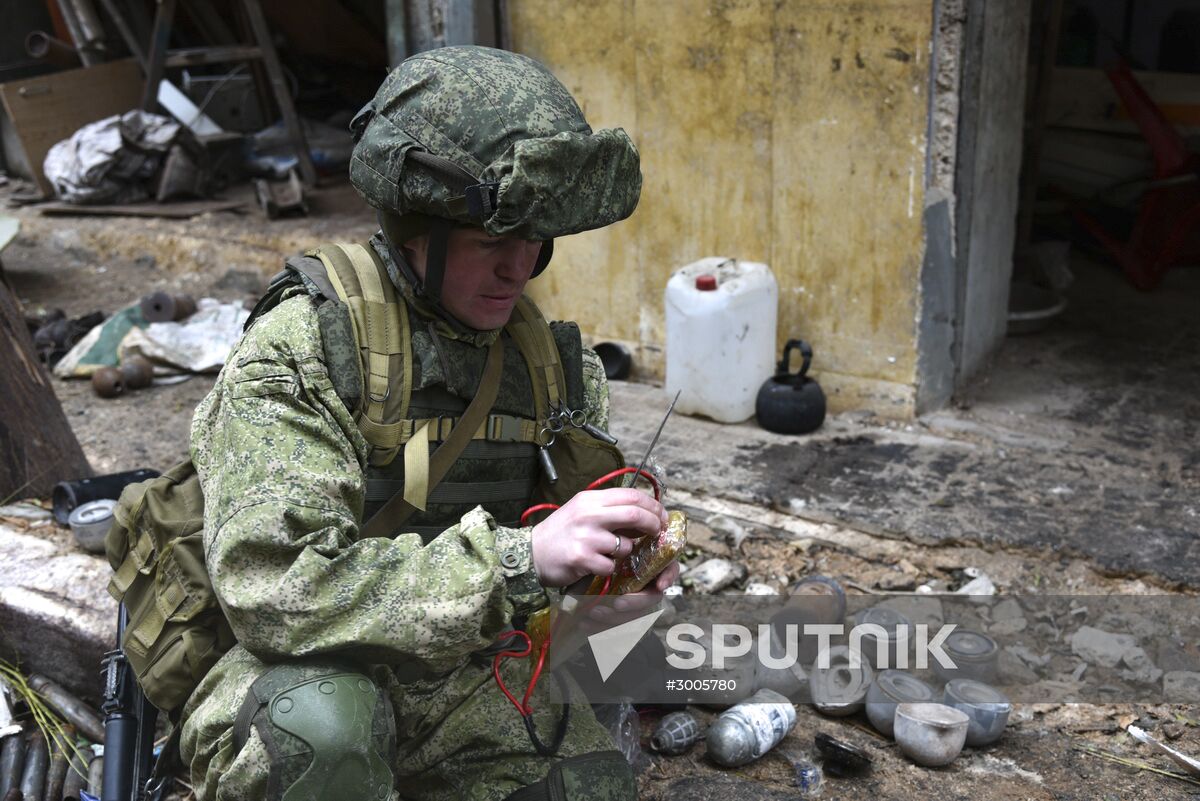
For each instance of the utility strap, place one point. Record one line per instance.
(434, 468)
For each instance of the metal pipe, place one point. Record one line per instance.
(12, 761)
(69, 494)
(75, 28)
(131, 40)
(57, 772)
(44, 47)
(75, 711)
(89, 24)
(37, 759)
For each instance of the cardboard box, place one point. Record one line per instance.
(40, 112)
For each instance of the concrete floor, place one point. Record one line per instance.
(1081, 441)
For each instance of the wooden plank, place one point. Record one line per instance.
(212, 55)
(45, 110)
(160, 40)
(178, 211)
(1084, 98)
(1085, 162)
(37, 446)
(281, 89)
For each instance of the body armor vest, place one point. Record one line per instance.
(499, 475)
(413, 377)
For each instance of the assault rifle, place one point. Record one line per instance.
(128, 731)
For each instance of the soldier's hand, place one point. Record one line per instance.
(590, 532)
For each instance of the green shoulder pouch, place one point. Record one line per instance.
(176, 630)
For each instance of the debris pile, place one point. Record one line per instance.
(52, 742)
(928, 716)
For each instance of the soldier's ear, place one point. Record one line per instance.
(416, 250)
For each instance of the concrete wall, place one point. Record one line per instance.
(791, 133)
(936, 369)
(988, 167)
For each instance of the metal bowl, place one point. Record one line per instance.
(987, 707)
(893, 687)
(930, 734)
(837, 688)
(89, 523)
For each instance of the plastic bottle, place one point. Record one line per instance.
(721, 316)
(624, 726)
(745, 732)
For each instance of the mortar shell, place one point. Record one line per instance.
(12, 762)
(57, 772)
(95, 773)
(37, 759)
(76, 779)
(75, 711)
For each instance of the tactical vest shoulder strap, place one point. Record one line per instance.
(380, 323)
(533, 336)
(379, 320)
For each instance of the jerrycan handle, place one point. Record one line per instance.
(806, 355)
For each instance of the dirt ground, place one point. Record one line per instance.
(1048, 751)
(84, 264)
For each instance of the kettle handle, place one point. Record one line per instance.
(806, 355)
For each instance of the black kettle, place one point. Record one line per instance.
(791, 403)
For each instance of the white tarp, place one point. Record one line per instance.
(113, 160)
(197, 344)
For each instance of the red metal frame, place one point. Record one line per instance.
(1166, 232)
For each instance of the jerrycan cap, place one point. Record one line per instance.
(706, 282)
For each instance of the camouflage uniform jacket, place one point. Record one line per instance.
(282, 466)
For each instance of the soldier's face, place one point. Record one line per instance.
(485, 275)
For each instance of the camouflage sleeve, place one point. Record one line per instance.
(280, 461)
(595, 389)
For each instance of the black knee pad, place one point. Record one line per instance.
(328, 730)
(600, 776)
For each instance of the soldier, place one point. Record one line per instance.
(363, 667)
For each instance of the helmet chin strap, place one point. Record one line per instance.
(430, 288)
(435, 259)
(543, 259)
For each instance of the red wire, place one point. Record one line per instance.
(624, 471)
(543, 507)
(545, 649)
(503, 654)
(523, 705)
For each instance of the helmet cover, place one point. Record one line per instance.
(490, 138)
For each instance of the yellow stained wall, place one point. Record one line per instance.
(786, 132)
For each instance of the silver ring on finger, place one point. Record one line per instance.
(616, 546)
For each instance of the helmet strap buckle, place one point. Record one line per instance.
(481, 199)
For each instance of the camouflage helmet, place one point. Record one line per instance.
(489, 138)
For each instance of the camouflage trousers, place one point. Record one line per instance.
(458, 737)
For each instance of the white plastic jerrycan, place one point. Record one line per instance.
(721, 317)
